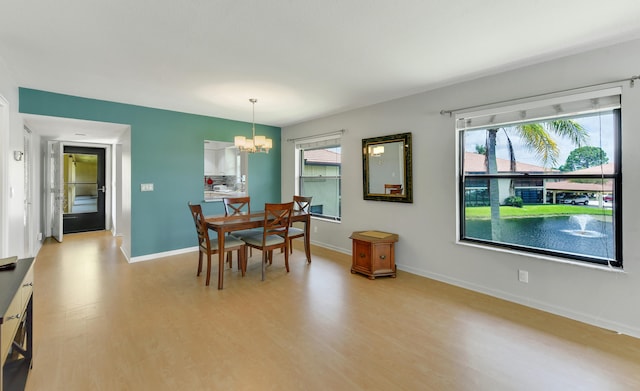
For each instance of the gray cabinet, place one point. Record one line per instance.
(16, 325)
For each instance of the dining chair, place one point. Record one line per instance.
(209, 246)
(275, 233)
(236, 206)
(303, 205)
(393, 189)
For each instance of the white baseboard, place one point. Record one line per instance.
(150, 257)
(528, 302)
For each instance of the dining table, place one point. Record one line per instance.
(238, 222)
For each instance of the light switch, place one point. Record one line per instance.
(146, 187)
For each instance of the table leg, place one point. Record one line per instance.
(307, 240)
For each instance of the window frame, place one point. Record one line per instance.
(616, 177)
(319, 144)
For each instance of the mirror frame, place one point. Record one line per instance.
(407, 195)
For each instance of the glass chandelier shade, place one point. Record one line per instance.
(258, 143)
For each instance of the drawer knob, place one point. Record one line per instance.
(362, 255)
(383, 256)
(16, 316)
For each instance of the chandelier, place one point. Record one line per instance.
(255, 144)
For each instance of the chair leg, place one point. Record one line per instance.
(264, 260)
(230, 259)
(208, 268)
(199, 262)
(246, 258)
(290, 246)
(286, 257)
(220, 271)
(241, 261)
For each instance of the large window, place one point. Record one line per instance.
(320, 176)
(544, 177)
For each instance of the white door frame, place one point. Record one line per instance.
(28, 193)
(4, 176)
(51, 192)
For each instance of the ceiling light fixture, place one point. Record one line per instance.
(257, 143)
(376, 151)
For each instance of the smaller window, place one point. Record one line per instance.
(320, 177)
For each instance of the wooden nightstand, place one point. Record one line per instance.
(373, 253)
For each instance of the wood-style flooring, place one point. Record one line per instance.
(103, 324)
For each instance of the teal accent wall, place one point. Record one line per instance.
(167, 149)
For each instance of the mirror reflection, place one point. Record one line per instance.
(387, 168)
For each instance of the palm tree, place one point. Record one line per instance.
(537, 137)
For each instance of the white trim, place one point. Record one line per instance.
(543, 257)
(621, 328)
(150, 257)
(4, 176)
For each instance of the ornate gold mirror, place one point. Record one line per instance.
(387, 170)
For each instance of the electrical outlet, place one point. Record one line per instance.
(315, 229)
(523, 276)
(146, 187)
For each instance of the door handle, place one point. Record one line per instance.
(103, 189)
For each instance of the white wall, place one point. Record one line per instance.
(11, 171)
(123, 182)
(427, 228)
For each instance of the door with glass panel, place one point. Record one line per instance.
(84, 189)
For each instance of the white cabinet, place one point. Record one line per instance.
(220, 161)
(230, 159)
(209, 162)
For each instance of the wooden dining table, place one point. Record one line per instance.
(225, 224)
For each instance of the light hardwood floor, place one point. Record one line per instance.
(103, 324)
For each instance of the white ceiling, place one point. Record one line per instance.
(301, 59)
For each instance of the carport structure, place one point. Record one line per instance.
(590, 186)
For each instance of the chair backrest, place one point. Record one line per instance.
(302, 204)
(237, 206)
(276, 219)
(393, 189)
(201, 226)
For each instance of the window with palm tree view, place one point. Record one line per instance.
(544, 177)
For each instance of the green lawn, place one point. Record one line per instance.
(484, 212)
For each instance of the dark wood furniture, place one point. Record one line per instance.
(392, 189)
(208, 247)
(225, 224)
(301, 204)
(16, 325)
(275, 233)
(237, 206)
(373, 253)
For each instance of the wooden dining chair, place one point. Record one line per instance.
(393, 189)
(301, 204)
(236, 206)
(275, 233)
(209, 246)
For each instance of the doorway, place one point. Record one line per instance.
(84, 188)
